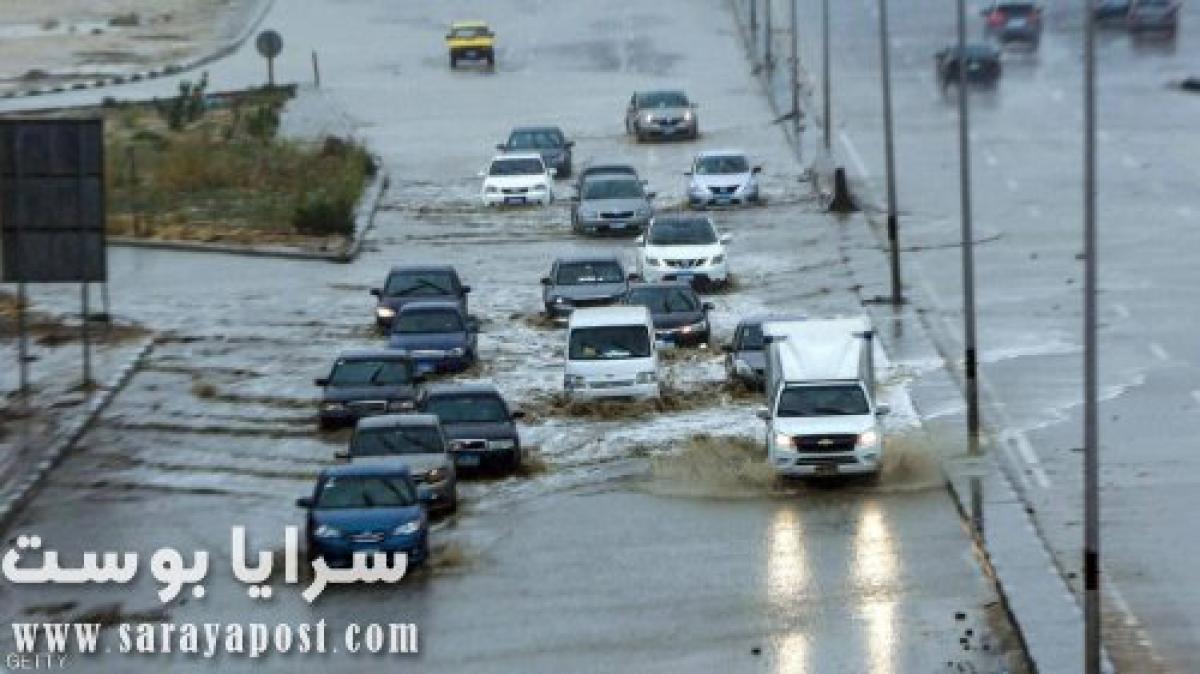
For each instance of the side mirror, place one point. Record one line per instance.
(321, 381)
(305, 503)
(707, 306)
(466, 289)
(883, 409)
(640, 240)
(687, 173)
(342, 455)
(726, 238)
(377, 292)
(481, 174)
(569, 144)
(553, 171)
(545, 280)
(575, 198)
(472, 324)
(501, 146)
(518, 414)
(651, 195)
(727, 348)
(632, 276)
(763, 413)
(756, 170)
(449, 36)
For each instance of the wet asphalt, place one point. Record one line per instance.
(643, 543)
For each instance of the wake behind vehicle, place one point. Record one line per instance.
(821, 414)
(365, 509)
(517, 179)
(1014, 23)
(661, 114)
(415, 441)
(366, 383)
(583, 281)
(980, 61)
(722, 178)
(611, 353)
(548, 141)
(480, 425)
(416, 283)
(683, 248)
(679, 317)
(437, 336)
(611, 203)
(471, 40)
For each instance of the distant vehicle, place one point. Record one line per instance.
(611, 203)
(583, 281)
(437, 335)
(745, 354)
(548, 141)
(516, 180)
(1154, 16)
(417, 283)
(982, 64)
(480, 425)
(683, 248)
(722, 178)
(662, 114)
(365, 509)
(679, 317)
(471, 40)
(1014, 23)
(412, 440)
(366, 383)
(1112, 12)
(611, 354)
(821, 414)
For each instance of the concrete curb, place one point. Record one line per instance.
(364, 221)
(14, 498)
(170, 69)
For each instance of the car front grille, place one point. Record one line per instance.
(840, 442)
(616, 215)
(467, 445)
(687, 263)
(730, 189)
(367, 537)
(368, 406)
(611, 383)
(515, 190)
(826, 460)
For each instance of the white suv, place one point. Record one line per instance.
(516, 180)
(683, 248)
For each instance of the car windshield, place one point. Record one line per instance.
(822, 401)
(751, 338)
(517, 167)
(396, 440)
(582, 273)
(384, 491)
(1016, 10)
(665, 300)
(535, 140)
(609, 342)
(411, 322)
(613, 189)
(682, 233)
(419, 283)
(365, 372)
(469, 31)
(467, 408)
(663, 99)
(721, 164)
(607, 171)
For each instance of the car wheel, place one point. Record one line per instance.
(514, 461)
(491, 59)
(637, 132)
(453, 61)
(327, 424)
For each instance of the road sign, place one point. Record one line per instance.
(52, 200)
(269, 44)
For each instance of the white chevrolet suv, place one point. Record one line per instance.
(517, 180)
(683, 248)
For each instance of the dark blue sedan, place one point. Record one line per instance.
(365, 509)
(437, 336)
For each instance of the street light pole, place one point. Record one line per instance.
(1091, 430)
(828, 105)
(795, 70)
(768, 61)
(889, 152)
(968, 272)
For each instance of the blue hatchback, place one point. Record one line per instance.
(365, 509)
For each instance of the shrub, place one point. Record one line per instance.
(322, 213)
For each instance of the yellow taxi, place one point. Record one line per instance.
(471, 40)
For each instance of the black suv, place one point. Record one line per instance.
(679, 317)
(982, 63)
(417, 283)
(366, 383)
(478, 422)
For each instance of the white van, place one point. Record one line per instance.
(822, 416)
(611, 354)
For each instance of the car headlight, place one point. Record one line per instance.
(559, 300)
(784, 441)
(698, 326)
(400, 405)
(456, 352)
(653, 261)
(688, 115)
(502, 444)
(437, 474)
(407, 529)
(332, 407)
(573, 381)
(647, 377)
(326, 531)
(491, 189)
(718, 259)
(385, 312)
(648, 118)
(868, 439)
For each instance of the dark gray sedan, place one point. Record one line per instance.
(680, 318)
(548, 141)
(366, 383)
(480, 425)
(583, 281)
(661, 114)
(611, 203)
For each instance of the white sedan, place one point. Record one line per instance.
(516, 180)
(683, 248)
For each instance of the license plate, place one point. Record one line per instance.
(1016, 23)
(467, 460)
(827, 469)
(723, 201)
(618, 225)
(514, 200)
(426, 368)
